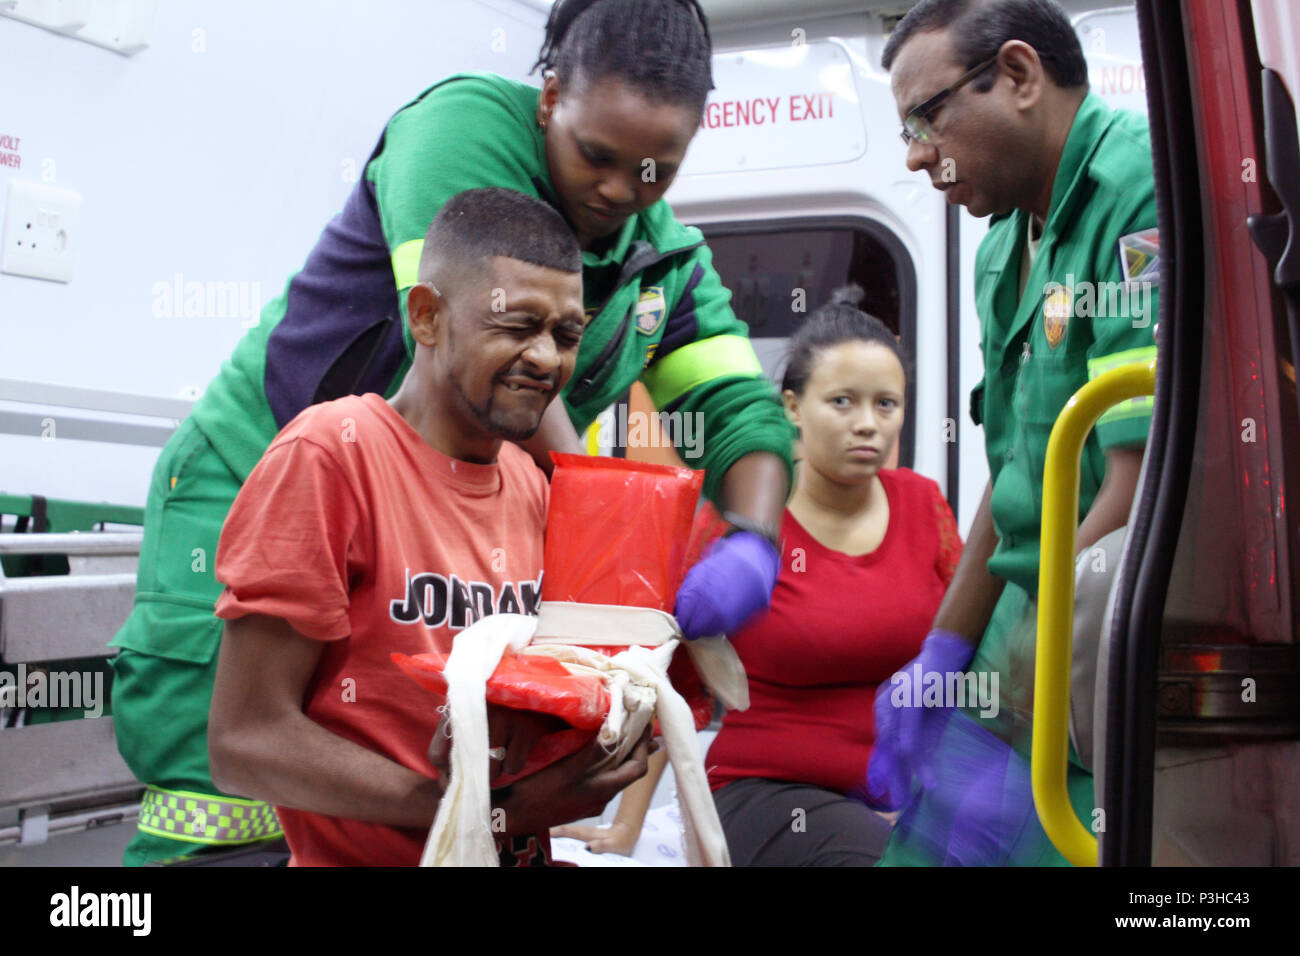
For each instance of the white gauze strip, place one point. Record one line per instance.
(641, 674)
(462, 834)
(640, 691)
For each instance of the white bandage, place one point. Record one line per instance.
(639, 691)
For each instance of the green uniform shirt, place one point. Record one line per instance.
(660, 312)
(1040, 348)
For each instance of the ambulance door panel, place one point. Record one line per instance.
(838, 163)
(780, 272)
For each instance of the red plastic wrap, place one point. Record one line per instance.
(617, 533)
(525, 682)
(637, 560)
(707, 528)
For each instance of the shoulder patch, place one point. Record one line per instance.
(1139, 256)
(651, 308)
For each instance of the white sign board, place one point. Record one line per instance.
(779, 107)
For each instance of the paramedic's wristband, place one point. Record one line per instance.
(741, 523)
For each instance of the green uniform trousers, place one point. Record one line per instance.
(167, 660)
(998, 826)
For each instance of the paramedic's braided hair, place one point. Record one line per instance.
(661, 48)
(835, 323)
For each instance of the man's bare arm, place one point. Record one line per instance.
(973, 593)
(567, 790)
(757, 487)
(261, 744)
(1114, 499)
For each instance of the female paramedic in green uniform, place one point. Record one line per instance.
(625, 86)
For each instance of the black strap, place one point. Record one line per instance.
(40, 514)
(37, 516)
(641, 256)
(740, 522)
(39, 520)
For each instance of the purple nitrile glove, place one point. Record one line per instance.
(980, 811)
(906, 733)
(989, 791)
(732, 584)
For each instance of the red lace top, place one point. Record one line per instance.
(837, 628)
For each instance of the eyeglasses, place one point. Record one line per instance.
(916, 124)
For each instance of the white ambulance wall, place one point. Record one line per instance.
(876, 185)
(217, 155)
(973, 465)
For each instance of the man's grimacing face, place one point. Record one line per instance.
(506, 365)
(971, 155)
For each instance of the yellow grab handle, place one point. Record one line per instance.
(1056, 602)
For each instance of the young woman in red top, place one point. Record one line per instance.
(867, 553)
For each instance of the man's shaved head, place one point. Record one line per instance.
(478, 225)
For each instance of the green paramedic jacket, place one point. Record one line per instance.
(660, 312)
(1075, 320)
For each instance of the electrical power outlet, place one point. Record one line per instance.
(40, 231)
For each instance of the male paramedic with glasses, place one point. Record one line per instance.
(358, 497)
(997, 111)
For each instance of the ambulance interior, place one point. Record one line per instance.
(210, 180)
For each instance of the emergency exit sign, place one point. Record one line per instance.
(779, 107)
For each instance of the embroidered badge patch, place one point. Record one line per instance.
(1056, 315)
(1139, 257)
(650, 309)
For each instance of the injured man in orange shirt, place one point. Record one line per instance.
(376, 526)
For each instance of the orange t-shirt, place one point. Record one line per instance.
(358, 533)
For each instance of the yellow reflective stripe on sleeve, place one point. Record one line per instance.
(682, 370)
(406, 263)
(1139, 407)
(211, 819)
(1099, 366)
